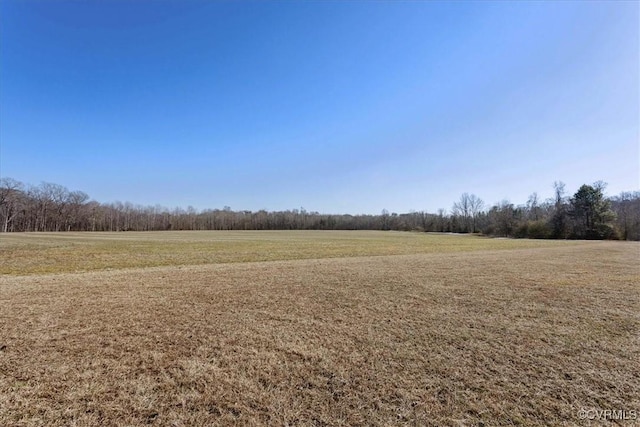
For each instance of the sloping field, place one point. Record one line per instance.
(376, 329)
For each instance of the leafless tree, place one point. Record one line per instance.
(533, 207)
(627, 209)
(468, 208)
(10, 200)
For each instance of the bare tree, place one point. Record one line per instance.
(462, 209)
(476, 205)
(505, 218)
(627, 209)
(10, 200)
(533, 207)
(559, 219)
(468, 208)
(76, 203)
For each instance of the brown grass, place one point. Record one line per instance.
(515, 336)
(40, 253)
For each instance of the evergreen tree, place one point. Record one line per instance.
(591, 213)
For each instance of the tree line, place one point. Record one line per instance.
(587, 214)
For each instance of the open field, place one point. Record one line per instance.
(315, 328)
(37, 253)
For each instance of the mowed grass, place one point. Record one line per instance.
(380, 329)
(40, 253)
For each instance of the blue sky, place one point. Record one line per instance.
(337, 107)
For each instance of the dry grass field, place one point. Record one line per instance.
(316, 329)
(37, 253)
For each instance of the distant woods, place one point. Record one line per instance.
(587, 214)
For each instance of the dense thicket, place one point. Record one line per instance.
(588, 214)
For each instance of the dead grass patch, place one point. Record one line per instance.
(482, 337)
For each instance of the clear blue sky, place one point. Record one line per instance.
(337, 107)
